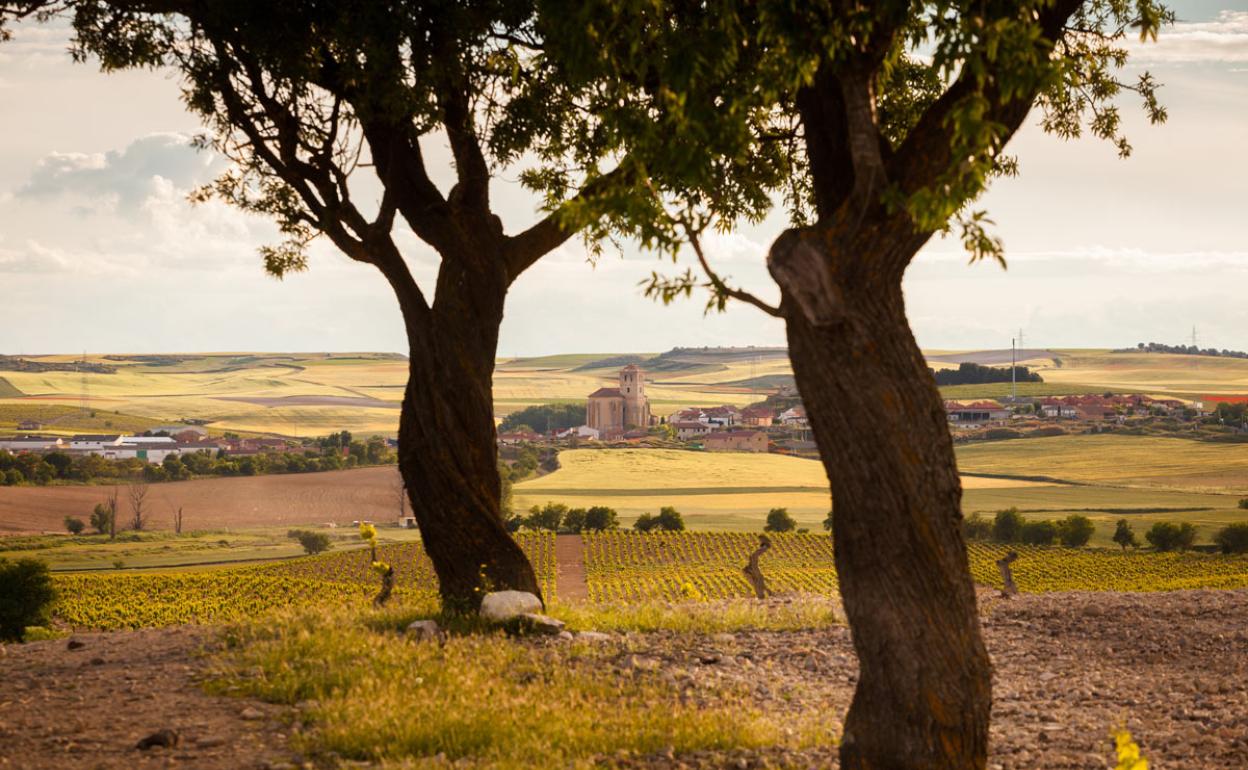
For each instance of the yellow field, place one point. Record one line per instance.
(207, 386)
(1136, 461)
(720, 490)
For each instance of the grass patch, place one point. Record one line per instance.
(479, 699)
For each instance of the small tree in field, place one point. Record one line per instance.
(828, 521)
(138, 505)
(1124, 535)
(1075, 531)
(75, 525)
(1007, 526)
(779, 520)
(312, 542)
(599, 518)
(1233, 538)
(646, 522)
(669, 519)
(1168, 536)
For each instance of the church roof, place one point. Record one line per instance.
(606, 392)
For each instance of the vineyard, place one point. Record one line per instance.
(128, 600)
(620, 568)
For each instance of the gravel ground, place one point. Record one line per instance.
(1068, 668)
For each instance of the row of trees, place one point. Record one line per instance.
(557, 517)
(543, 418)
(1190, 350)
(974, 374)
(1009, 526)
(30, 468)
(875, 125)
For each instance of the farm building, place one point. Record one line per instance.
(687, 429)
(758, 416)
(30, 425)
(19, 444)
(978, 412)
(736, 441)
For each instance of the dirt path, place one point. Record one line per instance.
(87, 708)
(570, 568)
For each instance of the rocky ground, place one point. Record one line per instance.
(1068, 668)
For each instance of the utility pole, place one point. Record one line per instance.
(1013, 372)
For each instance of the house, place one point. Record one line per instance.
(795, 417)
(687, 429)
(1052, 407)
(736, 441)
(580, 432)
(722, 416)
(758, 416)
(611, 411)
(976, 413)
(520, 437)
(30, 425)
(691, 414)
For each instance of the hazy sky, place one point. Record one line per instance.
(99, 250)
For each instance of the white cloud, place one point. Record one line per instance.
(1224, 39)
(122, 179)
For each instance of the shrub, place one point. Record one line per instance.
(74, 525)
(1075, 530)
(548, 516)
(1007, 526)
(574, 521)
(312, 542)
(779, 520)
(600, 517)
(26, 592)
(1002, 433)
(1243, 503)
(1168, 536)
(976, 527)
(1038, 533)
(670, 519)
(1124, 535)
(102, 518)
(827, 522)
(645, 523)
(1233, 538)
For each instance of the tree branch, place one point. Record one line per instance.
(718, 282)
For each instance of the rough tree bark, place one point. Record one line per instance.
(901, 560)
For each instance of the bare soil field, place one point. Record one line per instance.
(254, 501)
(1068, 668)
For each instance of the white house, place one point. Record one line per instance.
(795, 417)
(581, 431)
(87, 442)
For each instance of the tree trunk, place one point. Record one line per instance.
(924, 688)
(447, 443)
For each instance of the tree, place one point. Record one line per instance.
(547, 517)
(1007, 526)
(74, 525)
(829, 521)
(1075, 531)
(319, 104)
(574, 521)
(669, 519)
(599, 518)
(1038, 532)
(1233, 538)
(878, 125)
(646, 523)
(101, 519)
(26, 592)
(177, 520)
(779, 520)
(137, 493)
(312, 542)
(1168, 536)
(1124, 535)
(976, 527)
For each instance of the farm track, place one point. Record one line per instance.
(570, 584)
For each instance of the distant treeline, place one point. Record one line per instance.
(58, 467)
(15, 364)
(544, 417)
(1187, 350)
(975, 374)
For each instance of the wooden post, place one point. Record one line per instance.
(1007, 577)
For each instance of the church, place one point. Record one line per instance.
(612, 411)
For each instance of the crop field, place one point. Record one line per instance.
(1138, 461)
(1149, 372)
(620, 567)
(728, 490)
(133, 600)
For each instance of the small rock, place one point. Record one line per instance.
(566, 636)
(422, 630)
(251, 713)
(97, 661)
(530, 623)
(593, 636)
(74, 644)
(500, 606)
(165, 738)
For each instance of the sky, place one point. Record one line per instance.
(101, 252)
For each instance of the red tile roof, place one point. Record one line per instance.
(606, 392)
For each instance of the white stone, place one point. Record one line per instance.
(421, 630)
(500, 606)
